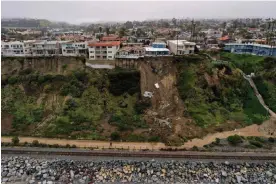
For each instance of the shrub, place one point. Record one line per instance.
(35, 143)
(194, 148)
(141, 106)
(154, 139)
(217, 141)
(67, 146)
(206, 146)
(12, 80)
(256, 143)
(15, 140)
(56, 145)
(234, 139)
(73, 146)
(115, 136)
(271, 139)
(259, 139)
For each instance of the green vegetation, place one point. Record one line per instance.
(265, 72)
(234, 139)
(216, 93)
(115, 136)
(217, 141)
(72, 105)
(15, 140)
(256, 143)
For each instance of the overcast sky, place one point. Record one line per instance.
(78, 12)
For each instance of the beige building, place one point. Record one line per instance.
(181, 47)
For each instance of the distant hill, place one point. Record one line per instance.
(32, 23)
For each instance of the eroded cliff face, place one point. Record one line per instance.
(69, 100)
(56, 65)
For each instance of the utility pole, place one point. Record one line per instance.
(176, 43)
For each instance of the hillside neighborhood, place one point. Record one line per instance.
(132, 40)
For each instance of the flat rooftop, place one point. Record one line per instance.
(151, 49)
(181, 42)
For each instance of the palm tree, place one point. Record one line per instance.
(100, 29)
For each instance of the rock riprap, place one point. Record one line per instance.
(53, 171)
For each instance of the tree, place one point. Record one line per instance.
(107, 31)
(15, 140)
(100, 29)
(122, 32)
(174, 21)
(128, 25)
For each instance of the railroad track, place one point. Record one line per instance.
(145, 154)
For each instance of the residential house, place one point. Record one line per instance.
(130, 52)
(103, 50)
(47, 48)
(151, 51)
(28, 45)
(157, 49)
(213, 33)
(113, 38)
(181, 47)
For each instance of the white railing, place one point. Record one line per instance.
(133, 56)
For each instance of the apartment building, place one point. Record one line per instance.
(251, 48)
(46, 48)
(181, 47)
(74, 48)
(103, 50)
(15, 48)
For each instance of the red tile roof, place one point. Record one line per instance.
(99, 44)
(224, 38)
(113, 38)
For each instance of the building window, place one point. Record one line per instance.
(109, 46)
(25, 50)
(33, 45)
(92, 47)
(109, 56)
(104, 57)
(97, 47)
(91, 56)
(91, 51)
(109, 51)
(103, 47)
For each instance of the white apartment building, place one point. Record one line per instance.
(28, 45)
(181, 47)
(46, 48)
(15, 48)
(74, 49)
(103, 50)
